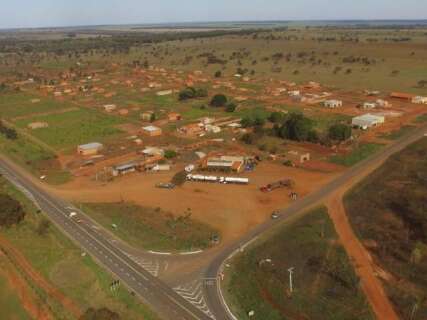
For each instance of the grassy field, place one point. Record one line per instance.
(388, 210)
(325, 285)
(69, 129)
(35, 159)
(395, 135)
(358, 154)
(10, 305)
(18, 104)
(151, 228)
(61, 263)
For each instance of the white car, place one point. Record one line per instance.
(72, 214)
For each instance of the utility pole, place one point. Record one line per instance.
(290, 270)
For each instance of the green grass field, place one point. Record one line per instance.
(61, 263)
(35, 159)
(325, 285)
(358, 154)
(395, 135)
(18, 104)
(69, 129)
(151, 228)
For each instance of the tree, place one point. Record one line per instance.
(218, 74)
(276, 117)
(11, 211)
(99, 314)
(297, 127)
(219, 100)
(153, 117)
(191, 93)
(170, 154)
(43, 227)
(247, 122)
(339, 132)
(230, 107)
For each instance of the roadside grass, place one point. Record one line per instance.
(10, 305)
(18, 104)
(61, 263)
(35, 159)
(358, 154)
(325, 284)
(151, 228)
(398, 133)
(72, 128)
(421, 118)
(388, 211)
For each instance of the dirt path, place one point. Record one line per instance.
(361, 260)
(24, 266)
(30, 302)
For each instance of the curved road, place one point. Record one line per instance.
(162, 298)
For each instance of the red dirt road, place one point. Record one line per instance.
(361, 261)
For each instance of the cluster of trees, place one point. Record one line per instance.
(220, 100)
(99, 314)
(295, 126)
(11, 211)
(339, 132)
(9, 133)
(192, 93)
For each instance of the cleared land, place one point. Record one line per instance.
(325, 285)
(388, 213)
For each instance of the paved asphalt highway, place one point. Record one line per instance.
(164, 300)
(213, 293)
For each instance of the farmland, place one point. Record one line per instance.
(325, 285)
(388, 213)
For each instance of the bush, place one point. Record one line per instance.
(179, 178)
(99, 314)
(231, 107)
(218, 74)
(9, 133)
(43, 227)
(192, 93)
(276, 117)
(297, 127)
(170, 154)
(11, 211)
(219, 100)
(248, 138)
(339, 132)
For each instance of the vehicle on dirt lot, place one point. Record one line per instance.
(275, 215)
(286, 183)
(165, 185)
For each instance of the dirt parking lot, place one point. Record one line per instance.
(232, 209)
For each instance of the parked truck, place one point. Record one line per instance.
(285, 183)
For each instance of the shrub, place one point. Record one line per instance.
(170, 154)
(340, 132)
(230, 107)
(99, 314)
(219, 100)
(11, 211)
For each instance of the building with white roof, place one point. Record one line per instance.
(367, 121)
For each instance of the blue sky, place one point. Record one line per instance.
(40, 13)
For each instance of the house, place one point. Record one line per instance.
(369, 105)
(419, 100)
(152, 131)
(174, 116)
(123, 112)
(224, 163)
(164, 93)
(147, 115)
(297, 158)
(191, 129)
(37, 125)
(153, 151)
(89, 149)
(124, 169)
(402, 96)
(212, 129)
(293, 93)
(109, 107)
(383, 103)
(332, 104)
(367, 121)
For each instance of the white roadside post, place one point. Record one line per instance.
(290, 270)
